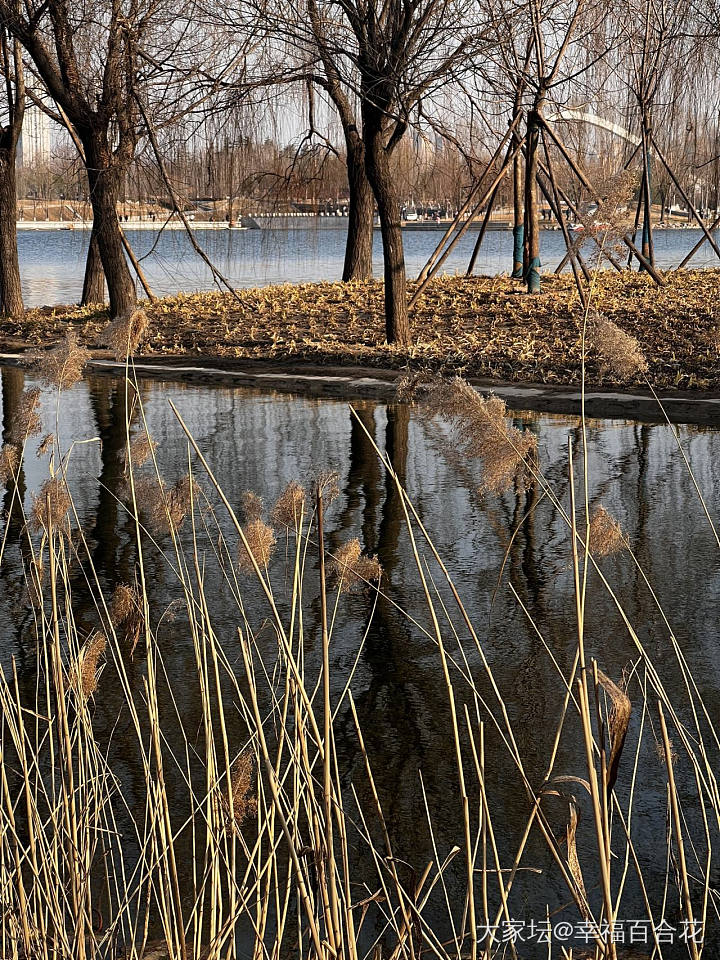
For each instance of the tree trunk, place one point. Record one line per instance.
(532, 218)
(94, 282)
(377, 165)
(11, 301)
(518, 218)
(104, 180)
(361, 212)
(648, 248)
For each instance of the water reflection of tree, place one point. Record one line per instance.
(108, 401)
(399, 700)
(362, 489)
(13, 384)
(14, 576)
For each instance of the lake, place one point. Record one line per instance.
(384, 646)
(52, 262)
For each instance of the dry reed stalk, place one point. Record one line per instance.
(602, 839)
(679, 842)
(275, 791)
(324, 493)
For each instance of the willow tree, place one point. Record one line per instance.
(395, 56)
(96, 62)
(87, 65)
(12, 109)
(361, 205)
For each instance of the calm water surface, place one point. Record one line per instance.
(52, 262)
(261, 441)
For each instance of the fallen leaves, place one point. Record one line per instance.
(479, 326)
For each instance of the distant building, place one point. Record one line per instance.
(34, 146)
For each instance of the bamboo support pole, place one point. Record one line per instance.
(425, 272)
(588, 186)
(463, 229)
(708, 235)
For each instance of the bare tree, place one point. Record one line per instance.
(394, 56)
(96, 61)
(361, 207)
(98, 102)
(12, 110)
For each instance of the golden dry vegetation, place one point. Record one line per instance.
(485, 326)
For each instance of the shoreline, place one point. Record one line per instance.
(370, 383)
(328, 339)
(500, 225)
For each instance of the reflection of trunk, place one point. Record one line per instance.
(362, 490)
(11, 302)
(13, 383)
(377, 164)
(104, 179)
(532, 218)
(107, 399)
(358, 249)
(94, 282)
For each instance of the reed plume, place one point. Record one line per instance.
(606, 536)
(90, 657)
(480, 429)
(9, 462)
(351, 569)
(26, 422)
(327, 486)
(289, 506)
(619, 353)
(126, 615)
(612, 219)
(64, 365)
(163, 508)
(51, 505)
(142, 447)
(46, 444)
(244, 803)
(124, 335)
(261, 542)
(251, 506)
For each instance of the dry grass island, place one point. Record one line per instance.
(474, 327)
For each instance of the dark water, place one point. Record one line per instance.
(52, 261)
(261, 441)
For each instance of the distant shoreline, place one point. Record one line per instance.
(82, 226)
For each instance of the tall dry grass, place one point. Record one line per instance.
(241, 837)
